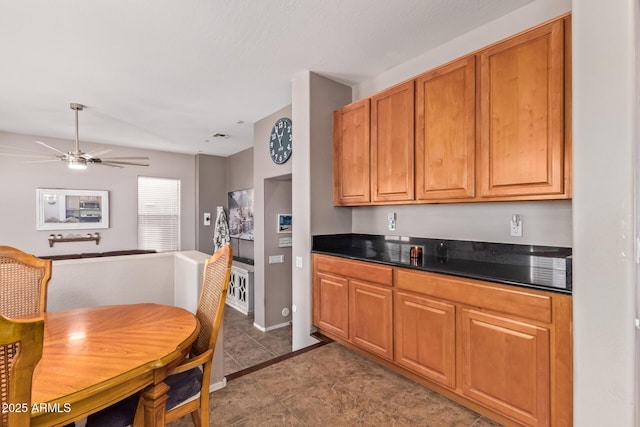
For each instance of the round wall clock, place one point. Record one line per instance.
(280, 141)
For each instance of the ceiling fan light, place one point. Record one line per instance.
(77, 164)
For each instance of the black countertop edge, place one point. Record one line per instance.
(537, 267)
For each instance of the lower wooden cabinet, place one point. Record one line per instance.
(502, 348)
(370, 320)
(425, 336)
(505, 366)
(330, 307)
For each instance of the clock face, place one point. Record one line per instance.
(280, 141)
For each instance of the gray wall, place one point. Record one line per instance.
(240, 177)
(277, 277)
(544, 223)
(314, 100)
(211, 192)
(264, 169)
(20, 180)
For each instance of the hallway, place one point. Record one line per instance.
(246, 346)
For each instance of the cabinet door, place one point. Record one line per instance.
(330, 305)
(505, 365)
(392, 141)
(425, 337)
(522, 116)
(371, 318)
(445, 132)
(351, 151)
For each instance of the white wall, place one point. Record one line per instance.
(20, 180)
(604, 272)
(129, 279)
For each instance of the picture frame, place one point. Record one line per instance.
(241, 214)
(285, 224)
(62, 209)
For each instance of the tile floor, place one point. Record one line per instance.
(246, 346)
(332, 386)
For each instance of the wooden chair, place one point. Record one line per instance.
(189, 384)
(210, 313)
(23, 283)
(20, 351)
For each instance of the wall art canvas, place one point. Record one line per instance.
(241, 214)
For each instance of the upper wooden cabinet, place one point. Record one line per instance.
(521, 151)
(445, 132)
(392, 144)
(495, 125)
(351, 154)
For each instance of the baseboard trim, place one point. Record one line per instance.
(323, 340)
(271, 328)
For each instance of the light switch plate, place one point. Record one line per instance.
(207, 218)
(276, 259)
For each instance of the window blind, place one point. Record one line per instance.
(158, 214)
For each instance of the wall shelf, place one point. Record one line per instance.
(93, 238)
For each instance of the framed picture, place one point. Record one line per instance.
(284, 223)
(241, 214)
(58, 209)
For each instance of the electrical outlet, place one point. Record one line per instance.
(516, 225)
(391, 219)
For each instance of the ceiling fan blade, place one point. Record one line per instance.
(134, 161)
(97, 153)
(122, 162)
(51, 148)
(113, 165)
(44, 161)
(43, 156)
(24, 150)
(126, 159)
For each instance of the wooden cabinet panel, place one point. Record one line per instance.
(445, 132)
(369, 272)
(505, 365)
(351, 154)
(371, 318)
(392, 144)
(330, 303)
(425, 337)
(521, 149)
(527, 304)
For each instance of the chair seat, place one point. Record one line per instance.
(182, 386)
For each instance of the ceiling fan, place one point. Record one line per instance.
(78, 159)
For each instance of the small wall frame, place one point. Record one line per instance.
(285, 224)
(60, 209)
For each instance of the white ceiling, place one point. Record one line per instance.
(166, 74)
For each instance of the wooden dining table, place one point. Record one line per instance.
(93, 357)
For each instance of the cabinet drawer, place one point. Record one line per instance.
(525, 304)
(367, 271)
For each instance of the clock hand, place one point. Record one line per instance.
(280, 137)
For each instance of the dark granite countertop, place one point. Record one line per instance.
(540, 267)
